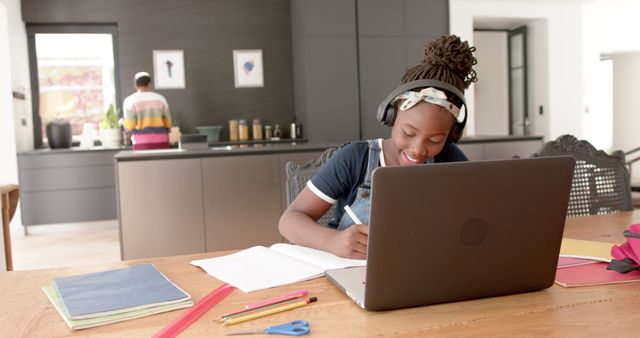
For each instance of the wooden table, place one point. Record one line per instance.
(9, 195)
(597, 311)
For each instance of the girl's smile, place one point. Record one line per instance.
(418, 134)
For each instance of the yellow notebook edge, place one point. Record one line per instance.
(77, 324)
(599, 259)
(577, 285)
(578, 248)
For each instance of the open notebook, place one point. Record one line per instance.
(260, 268)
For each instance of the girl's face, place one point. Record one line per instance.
(418, 134)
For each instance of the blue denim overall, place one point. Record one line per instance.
(362, 204)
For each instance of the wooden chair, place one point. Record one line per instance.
(298, 175)
(9, 195)
(601, 183)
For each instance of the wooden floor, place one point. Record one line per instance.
(57, 245)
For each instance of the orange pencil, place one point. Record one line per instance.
(270, 311)
(243, 312)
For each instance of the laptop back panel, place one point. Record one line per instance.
(457, 231)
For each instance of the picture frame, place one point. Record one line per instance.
(248, 70)
(168, 69)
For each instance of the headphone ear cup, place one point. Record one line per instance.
(455, 133)
(386, 114)
(390, 115)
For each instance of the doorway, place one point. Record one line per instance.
(502, 92)
(73, 75)
(518, 77)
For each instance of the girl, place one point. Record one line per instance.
(426, 122)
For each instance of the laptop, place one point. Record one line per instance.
(458, 231)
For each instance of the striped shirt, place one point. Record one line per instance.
(147, 116)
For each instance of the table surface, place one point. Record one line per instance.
(608, 310)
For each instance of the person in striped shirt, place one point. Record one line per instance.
(146, 115)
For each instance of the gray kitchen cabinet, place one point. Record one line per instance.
(349, 54)
(382, 64)
(499, 148)
(161, 210)
(241, 201)
(392, 35)
(326, 68)
(506, 150)
(182, 202)
(474, 151)
(65, 185)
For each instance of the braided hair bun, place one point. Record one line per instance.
(446, 59)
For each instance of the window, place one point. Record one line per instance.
(73, 77)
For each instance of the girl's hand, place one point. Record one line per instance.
(351, 242)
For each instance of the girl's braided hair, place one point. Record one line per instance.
(446, 59)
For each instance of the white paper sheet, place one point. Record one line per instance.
(260, 268)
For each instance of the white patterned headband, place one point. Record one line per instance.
(430, 95)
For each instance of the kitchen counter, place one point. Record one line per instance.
(229, 150)
(227, 197)
(488, 147)
(72, 150)
(494, 138)
(190, 201)
(68, 185)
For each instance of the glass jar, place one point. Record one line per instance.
(268, 132)
(277, 133)
(243, 130)
(233, 130)
(257, 129)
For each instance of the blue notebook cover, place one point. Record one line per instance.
(116, 291)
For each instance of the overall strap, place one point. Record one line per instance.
(373, 161)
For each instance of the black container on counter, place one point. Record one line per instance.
(59, 133)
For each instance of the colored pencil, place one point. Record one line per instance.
(279, 299)
(271, 311)
(243, 312)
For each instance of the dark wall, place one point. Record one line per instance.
(207, 31)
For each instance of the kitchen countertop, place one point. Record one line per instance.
(223, 149)
(230, 150)
(494, 138)
(73, 150)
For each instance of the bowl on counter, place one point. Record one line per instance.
(212, 132)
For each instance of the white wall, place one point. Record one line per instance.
(14, 61)
(564, 57)
(20, 81)
(8, 169)
(626, 105)
(492, 89)
(7, 138)
(538, 56)
(611, 28)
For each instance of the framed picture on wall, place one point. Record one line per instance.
(168, 69)
(247, 68)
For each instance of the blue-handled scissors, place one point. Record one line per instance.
(294, 328)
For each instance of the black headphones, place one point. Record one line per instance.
(387, 109)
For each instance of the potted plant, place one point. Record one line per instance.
(110, 135)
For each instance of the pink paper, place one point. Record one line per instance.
(593, 274)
